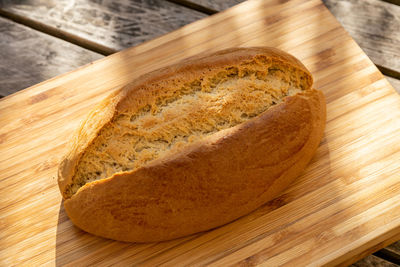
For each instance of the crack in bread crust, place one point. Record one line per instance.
(192, 146)
(182, 112)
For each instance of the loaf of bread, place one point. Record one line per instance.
(192, 146)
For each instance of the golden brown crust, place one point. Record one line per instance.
(214, 181)
(130, 95)
(87, 131)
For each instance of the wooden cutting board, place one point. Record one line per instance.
(345, 205)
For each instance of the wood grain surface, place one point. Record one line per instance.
(344, 206)
(113, 24)
(28, 57)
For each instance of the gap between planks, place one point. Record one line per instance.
(394, 2)
(53, 31)
(388, 255)
(192, 5)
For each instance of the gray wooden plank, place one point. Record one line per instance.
(54, 31)
(28, 57)
(375, 26)
(114, 24)
(372, 260)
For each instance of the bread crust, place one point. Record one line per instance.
(209, 183)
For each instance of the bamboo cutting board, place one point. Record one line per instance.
(345, 205)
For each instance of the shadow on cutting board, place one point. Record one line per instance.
(73, 244)
(281, 222)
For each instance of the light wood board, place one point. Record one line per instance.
(345, 205)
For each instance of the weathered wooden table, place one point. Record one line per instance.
(42, 39)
